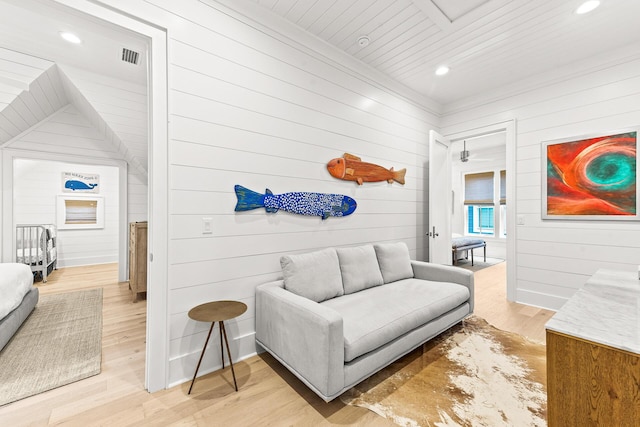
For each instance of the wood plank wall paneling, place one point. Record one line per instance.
(115, 107)
(37, 184)
(554, 258)
(68, 131)
(51, 91)
(269, 108)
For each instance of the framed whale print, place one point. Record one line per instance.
(591, 177)
(80, 212)
(74, 182)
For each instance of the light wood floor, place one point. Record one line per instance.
(268, 394)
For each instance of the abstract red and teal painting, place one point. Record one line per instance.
(591, 178)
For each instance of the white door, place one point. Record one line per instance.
(439, 232)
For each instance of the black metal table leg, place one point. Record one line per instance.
(201, 356)
(233, 372)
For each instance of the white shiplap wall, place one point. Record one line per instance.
(117, 106)
(118, 110)
(269, 108)
(68, 132)
(36, 187)
(554, 258)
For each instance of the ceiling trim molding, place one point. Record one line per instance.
(434, 13)
(625, 54)
(285, 31)
(439, 18)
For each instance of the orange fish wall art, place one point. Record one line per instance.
(352, 168)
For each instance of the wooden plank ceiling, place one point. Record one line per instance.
(40, 73)
(486, 43)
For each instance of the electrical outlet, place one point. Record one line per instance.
(207, 226)
(520, 219)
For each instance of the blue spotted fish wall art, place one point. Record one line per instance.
(301, 203)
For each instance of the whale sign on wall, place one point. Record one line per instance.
(74, 182)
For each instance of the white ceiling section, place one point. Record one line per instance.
(30, 90)
(486, 43)
(110, 93)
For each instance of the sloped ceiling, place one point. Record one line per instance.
(486, 43)
(48, 89)
(40, 73)
(33, 93)
(97, 119)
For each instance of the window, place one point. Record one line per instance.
(480, 220)
(485, 199)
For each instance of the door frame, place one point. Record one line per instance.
(509, 127)
(157, 348)
(434, 139)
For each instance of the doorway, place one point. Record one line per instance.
(96, 15)
(500, 131)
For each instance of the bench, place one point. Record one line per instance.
(460, 244)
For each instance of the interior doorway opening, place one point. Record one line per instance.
(500, 134)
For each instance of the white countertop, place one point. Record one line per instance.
(606, 310)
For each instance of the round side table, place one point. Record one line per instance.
(217, 311)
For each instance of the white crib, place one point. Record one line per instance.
(36, 247)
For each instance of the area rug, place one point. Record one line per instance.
(473, 375)
(60, 342)
(478, 264)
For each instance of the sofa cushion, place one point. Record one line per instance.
(359, 268)
(392, 310)
(314, 275)
(394, 261)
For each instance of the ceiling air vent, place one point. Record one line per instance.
(130, 56)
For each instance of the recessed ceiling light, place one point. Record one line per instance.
(442, 70)
(587, 7)
(70, 37)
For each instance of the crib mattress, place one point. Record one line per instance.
(33, 256)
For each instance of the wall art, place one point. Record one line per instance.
(74, 182)
(593, 177)
(352, 168)
(80, 212)
(301, 203)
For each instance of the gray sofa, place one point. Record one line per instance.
(340, 315)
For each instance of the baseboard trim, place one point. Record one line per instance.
(77, 262)
(182, 367)
(537, 299)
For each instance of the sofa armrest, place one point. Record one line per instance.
(305, 336)
(445, 273)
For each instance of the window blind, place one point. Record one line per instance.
(478, 188)
(503, 187)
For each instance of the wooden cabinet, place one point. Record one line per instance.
(593, 354)
(137, 258)
(590, 384)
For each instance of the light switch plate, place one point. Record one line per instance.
(207, 226)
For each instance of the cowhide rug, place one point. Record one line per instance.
(472, 375)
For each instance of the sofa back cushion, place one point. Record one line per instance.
(394, 261)
(359, 268)
(315, 275)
